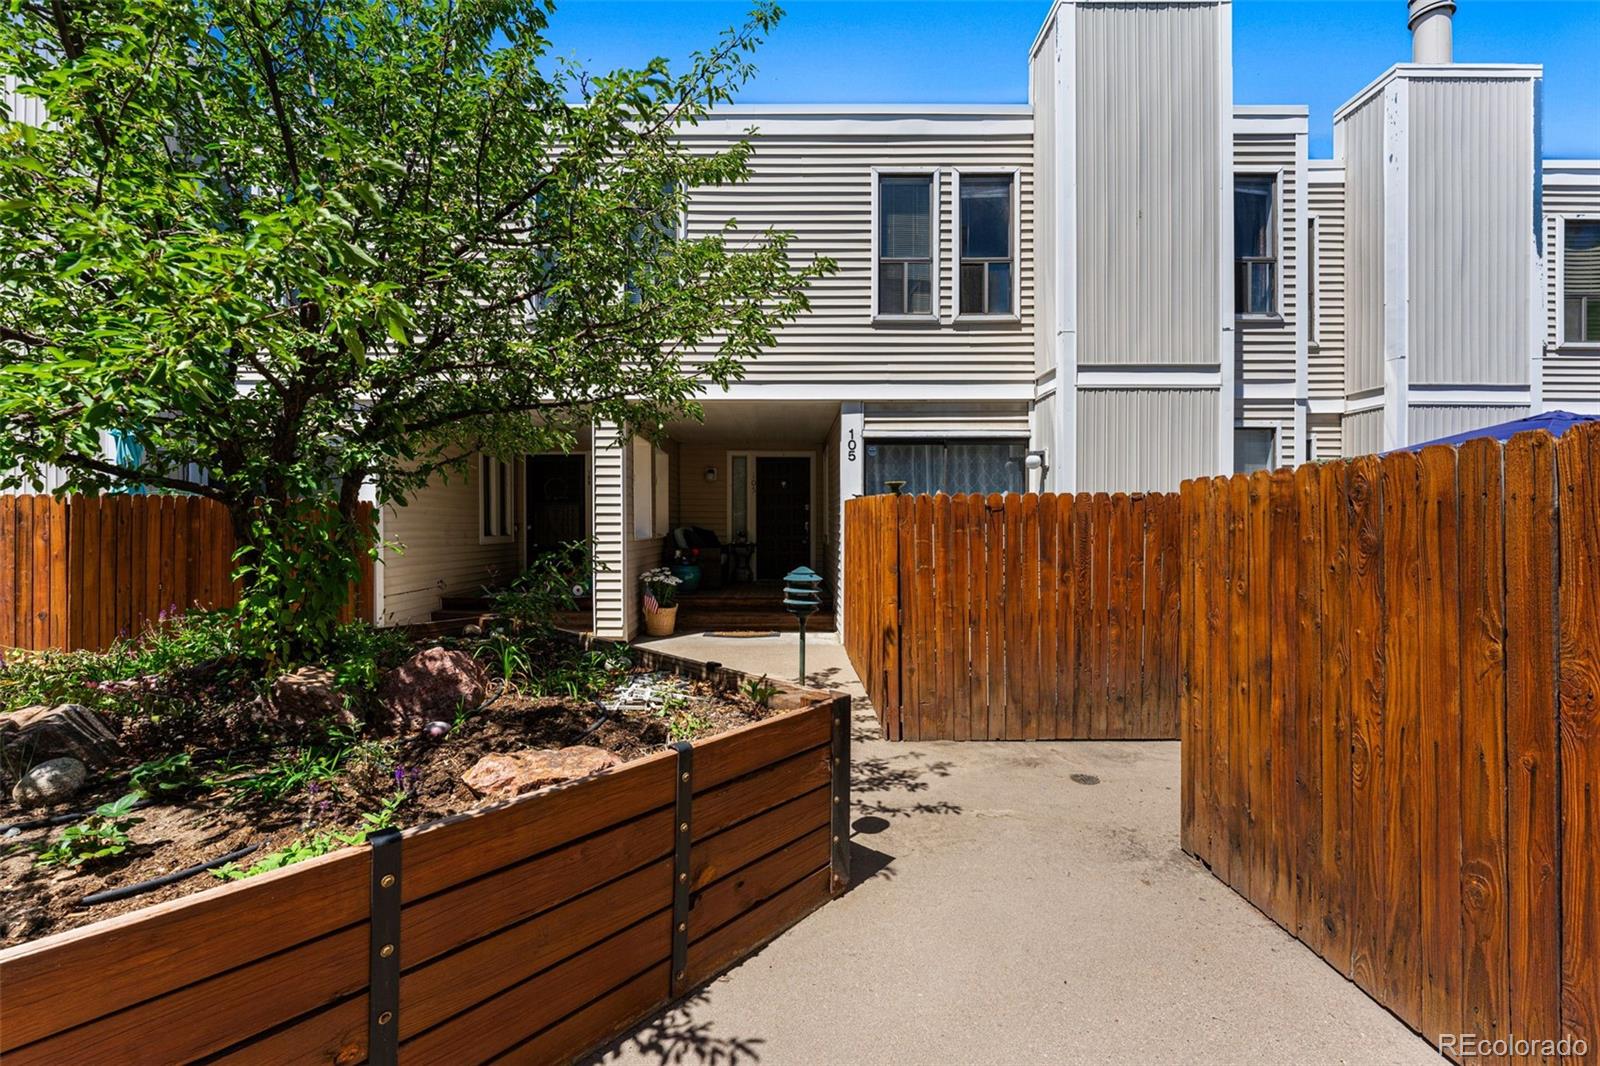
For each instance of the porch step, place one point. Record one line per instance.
(722, 619)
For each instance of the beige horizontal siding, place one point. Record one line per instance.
(820, 189)
(431, 548)
(935, 420)
(1277, 414)
(1325, 437)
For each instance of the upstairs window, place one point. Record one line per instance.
(1255, 244)
(495, 496)
(986, 226)
(905, 245)
(1580, 281)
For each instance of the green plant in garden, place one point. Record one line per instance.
(411, 231)
(101, 835)
(759, 690)
(320, 844)
(296, 770)
(552, 581)
(127, 670)
(360, 653)
(577, 674)
(508, 654)
(171, 776)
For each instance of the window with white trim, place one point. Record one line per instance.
(496, 494)
(1580, 281)
(905, 245)
(986, 221)
(1255, 245)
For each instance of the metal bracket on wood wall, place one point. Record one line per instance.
(383, 992)
(680, 865)
(839, 750)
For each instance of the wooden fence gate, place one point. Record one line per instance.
(1392, 724)
(1017, 617)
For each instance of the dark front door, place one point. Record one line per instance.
(783, 515)
(556, 512)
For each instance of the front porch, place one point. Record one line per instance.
(743, 496)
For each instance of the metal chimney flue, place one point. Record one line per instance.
(1429, 22)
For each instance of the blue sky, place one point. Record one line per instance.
(950, 51)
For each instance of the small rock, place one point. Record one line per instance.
(503, 776)
(37, 733)
(309, 696)
(51, 782)
(431, 685)
(473, 630)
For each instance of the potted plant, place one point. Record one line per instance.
(660, 601)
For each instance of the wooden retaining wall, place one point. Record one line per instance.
(1391, 744)
(80, 571)
(541, 927)
(1017, 617)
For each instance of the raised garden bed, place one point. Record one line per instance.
(545, 923)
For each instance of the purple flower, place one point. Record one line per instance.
(400, 773)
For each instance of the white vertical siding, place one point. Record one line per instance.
(1147, 440)
(1364, 247)
(813, 176)
(612, 526)
(28, 109)
(1325, 201)
(1267, 350)
(1042, 96)
(1470, 230)
(1363, 433)
(1148, 227)
(1434, 421)
(1570, 373)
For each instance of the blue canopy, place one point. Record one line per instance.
(1553, 422)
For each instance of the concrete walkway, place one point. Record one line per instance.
(1017, 903)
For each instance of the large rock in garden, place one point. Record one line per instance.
(309, 696)
(35, 734)
(51, 782)
(514, 773)
(432, 685)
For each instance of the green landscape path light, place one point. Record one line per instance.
(802, 595)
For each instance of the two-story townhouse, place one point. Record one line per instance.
(1126, 281)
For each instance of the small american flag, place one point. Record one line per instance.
(650, 603)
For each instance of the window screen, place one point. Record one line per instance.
(945, 466)
(905, 245)
(1255, 245)
(986, 245)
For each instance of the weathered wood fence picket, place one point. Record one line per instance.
(80, 571)
(1017, 617)
(1391, 738)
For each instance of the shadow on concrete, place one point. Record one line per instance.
(867, 864)
(885, 785)
(677, 1037)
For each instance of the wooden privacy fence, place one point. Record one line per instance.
(80, 571)
(1017, 617)
(1392, 724)
(534, 929)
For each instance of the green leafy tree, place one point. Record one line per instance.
(285, 248)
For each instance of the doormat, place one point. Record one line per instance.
(740, 634)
